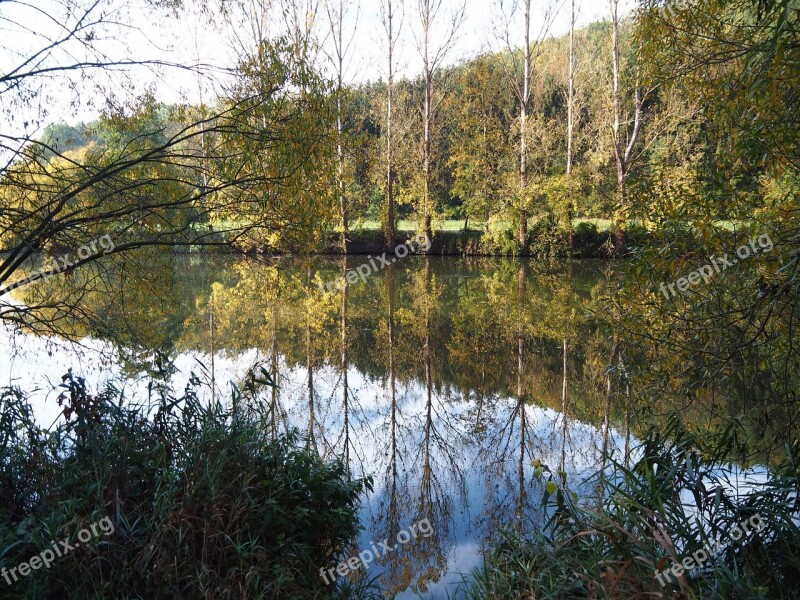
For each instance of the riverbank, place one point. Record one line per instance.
(588, 241)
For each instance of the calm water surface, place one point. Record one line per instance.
(443, 379)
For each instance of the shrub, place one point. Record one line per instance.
(588, 241)
(671, 502)
(205, 503)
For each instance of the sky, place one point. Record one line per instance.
(191, 37)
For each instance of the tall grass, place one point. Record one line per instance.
(204, 502)
(670, 501)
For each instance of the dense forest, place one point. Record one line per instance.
(677, 139)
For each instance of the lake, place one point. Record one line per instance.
(445, 380)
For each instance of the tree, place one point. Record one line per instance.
(623, 148)
(432, 57)
(480, 151)
(521, 83)
(158, 178)
(570, 128)
(300, 21)
(388, 11)
(337, 15)
(734, 157)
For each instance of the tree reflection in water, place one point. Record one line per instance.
(443, 379)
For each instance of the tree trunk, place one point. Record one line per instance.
(336, 16)
(393, 511)
(390, 225)
(523, 425)
(570, 129)
(619, 213)
(340, 155)
(431, 61)
(426, 146)
(522, 233)
(620, 235)
(311, 441)
(564, 410)
(345, 368)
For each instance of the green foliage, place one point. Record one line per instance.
(649, 515)
(204, 502)
(588, 240)
(500, 239)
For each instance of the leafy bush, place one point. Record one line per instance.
(588, 241)
(672, 501)
(205, 503)
(500, 239)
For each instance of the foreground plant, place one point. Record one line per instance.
(204, 502)
(676, 498)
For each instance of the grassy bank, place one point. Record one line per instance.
(590, 240)
(195, 501)
(671, 524)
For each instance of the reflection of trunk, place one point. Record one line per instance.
(520, 396)
(479, 399)
(624, 373)
(395, 566)
(345, 365)
(274, 370)
(394, 511)
(426, 483)
(311, 442)
(564, 411)
(211, 334)
(564, 384)
(609, 392)
(309, 366)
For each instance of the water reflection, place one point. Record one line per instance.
(443, 379)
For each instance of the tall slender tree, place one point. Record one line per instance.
(389, 10)
(622, 151)
(570, 124)
(525, 98)
(337, 12)
(300, 21)
(520, 77)
(432, 57)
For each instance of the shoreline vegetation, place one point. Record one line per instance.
(591, 239)
(159, 473)
(651, 513)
